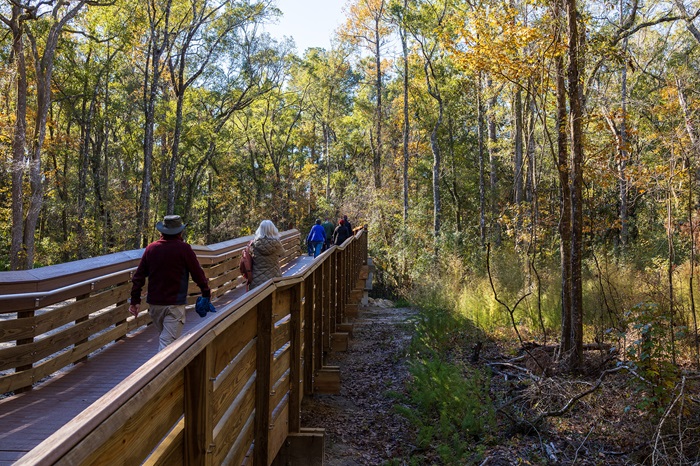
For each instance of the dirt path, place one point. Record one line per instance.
(362, 427)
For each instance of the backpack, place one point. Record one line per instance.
(246, 264)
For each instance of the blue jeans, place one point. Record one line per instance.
(316, 245)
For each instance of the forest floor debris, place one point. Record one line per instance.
(606, 427)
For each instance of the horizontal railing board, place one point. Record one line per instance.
(234, 383)
(233, 419)
(147, 427)
(170, 452)
(46, 279)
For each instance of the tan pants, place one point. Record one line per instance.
(169, 321)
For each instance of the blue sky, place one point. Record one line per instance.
(310, 22)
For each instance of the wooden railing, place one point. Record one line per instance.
(56, 316)
(228, 393)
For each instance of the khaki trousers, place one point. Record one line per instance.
(169, 320)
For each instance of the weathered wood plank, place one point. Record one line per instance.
(171, 451)
(229, 385)
(141, 434)
(228, 344)
(233, 421)
(280, 428)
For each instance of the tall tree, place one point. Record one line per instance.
(207, 26)
(157, 45)
(43, 24)
(367, 26)
(575, 93)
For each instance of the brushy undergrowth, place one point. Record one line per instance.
(447, 401)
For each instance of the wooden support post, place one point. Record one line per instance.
(339, 341)
(199, 429)
(346, 328)
(327, 380)
(310, 335)
(339, 316)
(303, 448)
(329, 314)
(262, 381)
(356, 295)
(78, 321)
(296, 376)
(24, 341)
(319, 312)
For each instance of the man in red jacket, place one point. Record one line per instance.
(168, 263)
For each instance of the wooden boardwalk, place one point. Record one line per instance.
(29, 418)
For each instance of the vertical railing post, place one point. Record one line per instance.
(311, 334)
(322, 280)
(82, 297)
(329, 313)
(295, 372)
(25, 341)
(341, 287)
(262, 381)
(199, 390)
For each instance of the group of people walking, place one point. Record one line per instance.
(168, 263)
(324, 235)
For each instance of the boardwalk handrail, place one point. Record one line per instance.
(55, 316)
(229, 392)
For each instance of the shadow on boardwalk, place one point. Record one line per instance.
(362, 427)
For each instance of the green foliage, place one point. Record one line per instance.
(448, 403)
(653, 352)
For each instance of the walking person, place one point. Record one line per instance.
(266, 250)
(316, 238)
(348, 225)
(168, 263)
(328, 227)
(341, 233)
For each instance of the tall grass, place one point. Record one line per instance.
(612, 291)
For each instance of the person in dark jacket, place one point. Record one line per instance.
(348, 225)
(267, 250)
(316, 238)
(328, 227)
(341, 233)
(168, 263)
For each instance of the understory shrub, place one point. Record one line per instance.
(447, 401)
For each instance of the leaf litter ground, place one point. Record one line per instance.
(363, 428)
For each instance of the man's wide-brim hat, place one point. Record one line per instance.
(171, 225)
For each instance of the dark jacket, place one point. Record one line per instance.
(340, 234)
(328, 227)
(317, 234)
(266, 260)
(168, 263)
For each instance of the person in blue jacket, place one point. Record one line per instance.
(316, 238)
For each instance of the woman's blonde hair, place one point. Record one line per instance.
(267, 229)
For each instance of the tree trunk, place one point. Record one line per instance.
(157, 46)
(19, 143)
(404, 49)
(576, 114)
(518, 158)
(565, 202)
(481, 135)
(377, 160)
(623, 153)
(493, 166)
(175, 154)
